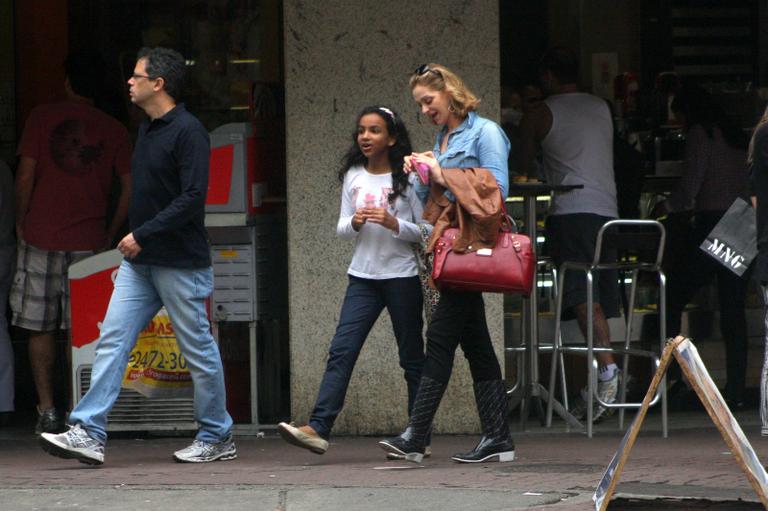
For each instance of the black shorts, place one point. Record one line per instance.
(572, 238)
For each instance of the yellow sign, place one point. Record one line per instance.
(156, 367)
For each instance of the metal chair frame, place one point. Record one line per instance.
(589, 350)
(520, 350)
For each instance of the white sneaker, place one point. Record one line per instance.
(204, 452)
(75, 443)
(607, 390)
(304, 437)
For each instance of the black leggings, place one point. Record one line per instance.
(460, 320)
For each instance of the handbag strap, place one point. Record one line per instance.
(506, 218)
(512, 228)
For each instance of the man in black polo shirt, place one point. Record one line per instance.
(167, 263)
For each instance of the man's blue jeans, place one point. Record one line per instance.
(363, 303)
(140, 291)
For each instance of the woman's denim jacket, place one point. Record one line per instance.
(477, 142)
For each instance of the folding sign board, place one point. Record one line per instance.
(696, 373)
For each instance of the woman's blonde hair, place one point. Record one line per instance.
(440, 78)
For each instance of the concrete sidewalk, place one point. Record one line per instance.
(554, 470)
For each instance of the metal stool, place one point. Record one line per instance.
(640, 247)
(543, 264)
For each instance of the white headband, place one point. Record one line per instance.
(387, 111)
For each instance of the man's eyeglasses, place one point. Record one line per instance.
(424, 69)
(135, 76)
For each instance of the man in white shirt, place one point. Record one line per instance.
(574, 132)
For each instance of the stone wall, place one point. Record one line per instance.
(340, 56)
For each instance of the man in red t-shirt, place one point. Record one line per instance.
(69, 153)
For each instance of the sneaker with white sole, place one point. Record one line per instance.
(204, 452)
(74, 443)
(305, 437)
(607, 390)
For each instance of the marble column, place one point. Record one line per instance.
(340, 56)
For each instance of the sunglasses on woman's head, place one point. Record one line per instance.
(424, 69)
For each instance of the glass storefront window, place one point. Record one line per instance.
(232, 47)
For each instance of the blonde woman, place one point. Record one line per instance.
(467, 148)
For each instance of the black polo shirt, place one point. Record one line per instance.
(170, 179)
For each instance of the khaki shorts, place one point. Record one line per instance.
(39, 295)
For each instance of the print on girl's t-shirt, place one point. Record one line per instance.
(370, 199)
(384, 198)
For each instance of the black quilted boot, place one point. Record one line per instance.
(410, 443)
(496, 444)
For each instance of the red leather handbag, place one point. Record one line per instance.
(508, 267)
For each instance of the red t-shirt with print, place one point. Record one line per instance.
(78, 149)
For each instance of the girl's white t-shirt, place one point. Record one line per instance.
(380, 253)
